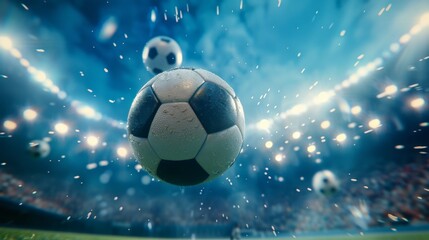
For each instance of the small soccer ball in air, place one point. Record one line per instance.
(162, 53)
(325, 182)
(39, 148)
(186, 126)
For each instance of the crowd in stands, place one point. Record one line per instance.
(395, 195)
(12, 188)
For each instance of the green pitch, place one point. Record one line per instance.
(18, 234)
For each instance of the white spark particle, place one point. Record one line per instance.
(420, 147)
(388, 7)
(24, 6)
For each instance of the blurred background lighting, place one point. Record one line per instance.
(311, 148)
(61, 128)
(298, 109)
(122, 152)
(92, 141)
(391, 89)
(325, 124)
(40, 76)
(6, 43)
(356, 110)
(264, 124)
(268, 144)
(341, 137)
(86, 111)
(108, 29)
(424, 20)
(278, 157)
(374, 123)
(296, 135)
(29, 114)
(15, 53)
(10, 125)
(417, 103)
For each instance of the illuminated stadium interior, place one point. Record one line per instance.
(333, 85)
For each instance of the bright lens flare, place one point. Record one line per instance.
(86, 111)
(417, 103)
(29, 114)
(61, 128)
(325, 124)
(92, 141)
(391, 89)
(269, 144)
(296, 135)
(10, 125)
(341, 137)
(311, 148)
(374, 123)
(424, 20)
(279, 157)
(298, 109)
(405, 38)
(356, 110)
(40, 76)
(122, 152)
(6, 43)
(264, 124)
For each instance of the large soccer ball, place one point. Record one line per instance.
(39, 148)
(186, 126)
(325, 182)
(162, 53)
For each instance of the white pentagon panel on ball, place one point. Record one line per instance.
(154, 79)
(176, 133)
(176, 86)
(211, 77)
(145, 154)
(240, 116)
(220, 150)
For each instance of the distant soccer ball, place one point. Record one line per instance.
(39, 148)
(325, 182)
(162, 53)
(186, 126)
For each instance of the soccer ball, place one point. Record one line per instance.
(186, 126)
(39, 148)
(325, 182)
(162, 53)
